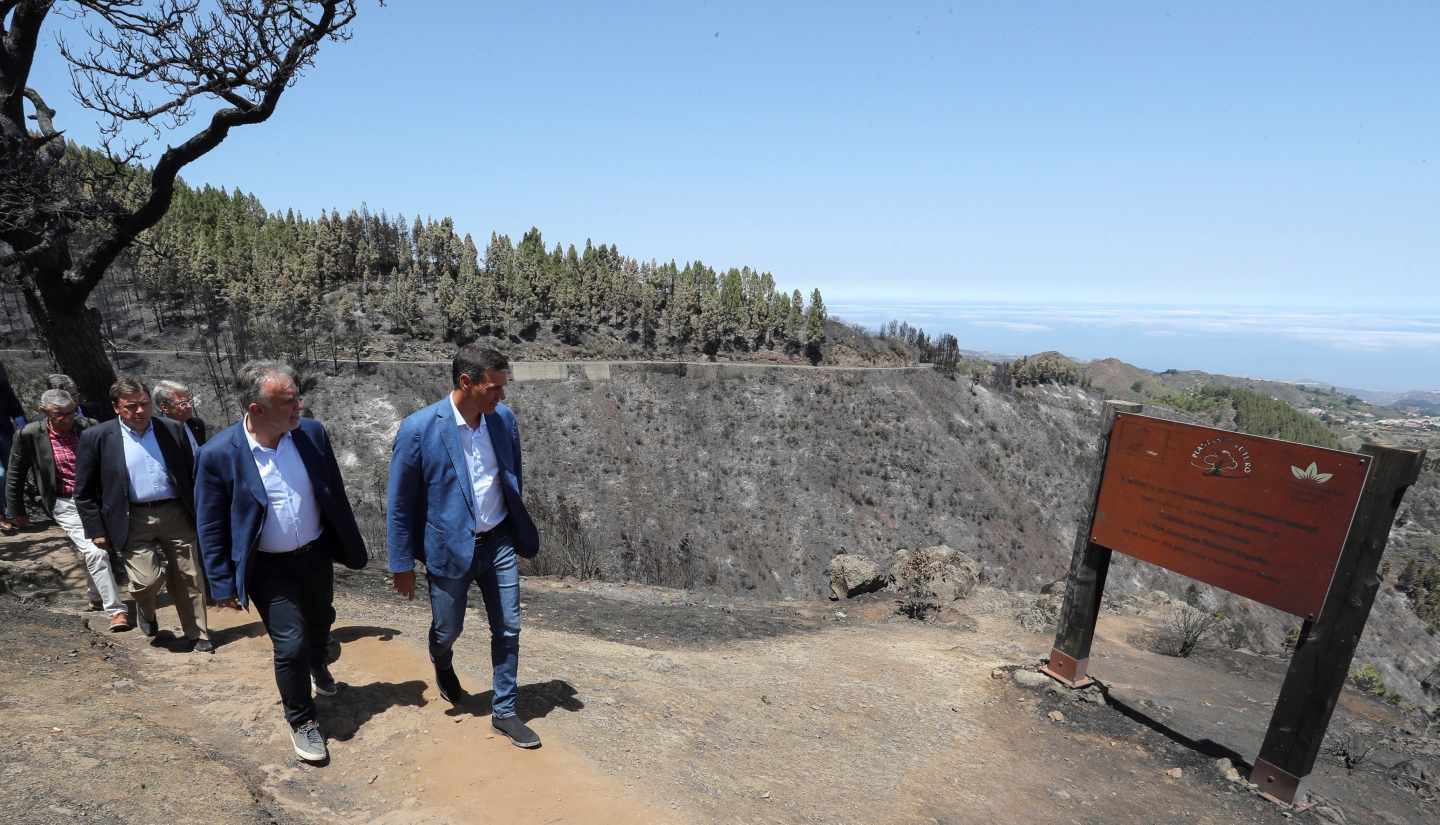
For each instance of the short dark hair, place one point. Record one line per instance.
(474, 360)
(125, 385)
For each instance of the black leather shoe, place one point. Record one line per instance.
(520, 734)
(204, 646)
(147, 626)
(449, 685)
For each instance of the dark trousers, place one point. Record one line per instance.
(294, 594)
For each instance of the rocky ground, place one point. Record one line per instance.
(659, 706)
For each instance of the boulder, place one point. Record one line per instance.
(851, 575)
(946, 574)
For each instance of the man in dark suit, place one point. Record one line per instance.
(273, 515)
(455, 505)
(175, 401)
(134, 488)
(12, 418)
(46, 451)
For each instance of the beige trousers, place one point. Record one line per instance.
(162, 554)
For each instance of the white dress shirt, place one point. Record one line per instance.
(484, 470)
(149, 480)
(293, 519)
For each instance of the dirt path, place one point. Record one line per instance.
(655, 707)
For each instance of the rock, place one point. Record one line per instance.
(1056, 716)
(1227, 770)
(852, 574)
(1328, 815)
(1041, 615)
(943, 574)
(1174, 773)
(660, 663)
(1030, 679)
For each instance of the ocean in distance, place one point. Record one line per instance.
(1369, 349)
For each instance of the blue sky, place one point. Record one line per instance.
(1219, 154)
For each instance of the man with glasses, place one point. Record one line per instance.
(46, 451)
(175, 401)
(135, 490)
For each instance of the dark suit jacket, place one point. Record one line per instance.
(31, 455)
(197, 429)
(231, 504)
(431, 503)
(102, 484)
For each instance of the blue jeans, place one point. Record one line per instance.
(496, 569)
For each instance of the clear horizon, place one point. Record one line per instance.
(1353, 349)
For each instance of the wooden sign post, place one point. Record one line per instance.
(1296, 527)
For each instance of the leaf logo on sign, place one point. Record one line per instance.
(1311, 474)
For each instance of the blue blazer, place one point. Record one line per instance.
(431, 503)
(231, 505)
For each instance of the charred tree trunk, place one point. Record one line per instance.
(72, 332)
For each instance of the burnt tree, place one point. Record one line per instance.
(144, 68)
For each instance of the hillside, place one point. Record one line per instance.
(741, 479)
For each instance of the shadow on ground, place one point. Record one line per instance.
(534, 701)
(343, 715)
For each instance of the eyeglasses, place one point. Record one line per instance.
(135, 406)
(184, 405)
(59, 416)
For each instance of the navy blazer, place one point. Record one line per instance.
(231, 505)
(431, 502)
(102, 480)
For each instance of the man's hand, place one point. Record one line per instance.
(102, 542)
(231, 603)
(405, 584)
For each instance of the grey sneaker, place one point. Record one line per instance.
(520, 734)
(324, 683)
(309, 742)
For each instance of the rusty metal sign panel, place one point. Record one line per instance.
(1261, 518)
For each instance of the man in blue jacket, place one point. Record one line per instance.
(272, 514)
(455, 505)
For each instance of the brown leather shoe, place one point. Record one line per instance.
(119, 623)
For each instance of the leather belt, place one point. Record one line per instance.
(153, 503)
(304, 548)
(479, 537)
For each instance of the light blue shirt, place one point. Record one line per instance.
(149, 480)
(484, 470)
(292, 520)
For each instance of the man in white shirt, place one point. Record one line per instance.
(273, 515)
(456, 505)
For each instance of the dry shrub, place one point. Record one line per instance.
(1184, 630)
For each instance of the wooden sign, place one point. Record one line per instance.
(1297, 527)
(1261, 518)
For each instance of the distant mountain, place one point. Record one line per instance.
(1425, 403)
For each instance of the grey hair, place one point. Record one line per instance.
(254, 375)
(165, 392)
(55, 399)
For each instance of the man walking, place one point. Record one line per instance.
(175, 401)
(46, 451)
(273, 515)
(12, 418)
(134, 488)
(455, 504)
